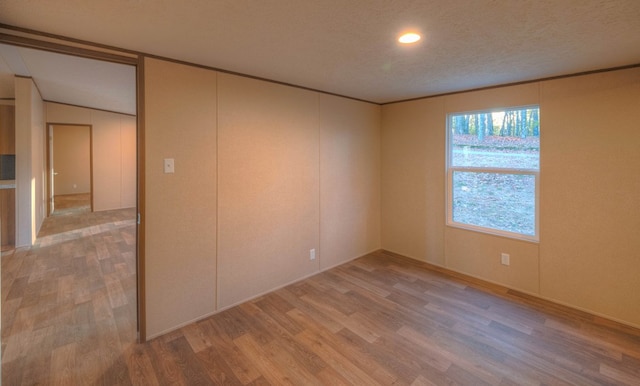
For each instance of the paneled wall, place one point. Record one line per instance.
(72, 159)
(590, 210)
(349, 179)
(588, 255)
(263, 174)
(268, 163)
(114, 152)
(181, 211)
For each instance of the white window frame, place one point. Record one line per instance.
(512, 171)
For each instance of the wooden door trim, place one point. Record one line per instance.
(140, 228)
(95, 51)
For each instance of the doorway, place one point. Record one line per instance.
(70, 169)
(112, 86)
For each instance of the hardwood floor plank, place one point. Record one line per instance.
(165, 365)
(335, 360)
(306, 358)
(267, 367)
(480, 340)
(619, 375)
(318, 316)
(12, 372)
(433, 356)
(197, 338)
(357, 327)
(140, 369)
(422, 381)
(217, 368)
(63, 363)
(352, 346)
(328, 376)
(117, 297)
(296, 369)
(17, 289)
(277, 308)
(239, 364)
(354, 279)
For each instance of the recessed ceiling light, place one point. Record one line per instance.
(409, 38)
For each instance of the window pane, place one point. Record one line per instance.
(498, 139)
(494, 200)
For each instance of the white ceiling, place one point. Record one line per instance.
(69, 79)
(349, 47)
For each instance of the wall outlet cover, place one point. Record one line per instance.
(505, 259)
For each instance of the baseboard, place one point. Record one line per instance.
(195, 320)
(514, 293)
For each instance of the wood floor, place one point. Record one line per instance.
(69, 302)
(71, 204)
(69, 308)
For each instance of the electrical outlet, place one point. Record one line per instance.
(504, 259)
(312, 254)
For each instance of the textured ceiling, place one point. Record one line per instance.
(349, 47)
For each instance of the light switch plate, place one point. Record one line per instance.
(169, 165)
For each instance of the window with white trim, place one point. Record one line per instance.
(493, 171)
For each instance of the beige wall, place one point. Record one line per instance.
(587, 256)
(349, 179)
(268, 204)
(264, 173)
(181, 213)
(30, 198)
(590, 210)
(72, 159)
(114, 152)
(413, 213)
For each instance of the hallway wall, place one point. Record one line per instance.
(114, 152)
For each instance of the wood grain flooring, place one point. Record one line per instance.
(71, 204)
(69, 302)
(68, 319)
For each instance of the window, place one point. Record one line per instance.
(493, 171)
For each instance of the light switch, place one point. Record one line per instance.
(169, 165)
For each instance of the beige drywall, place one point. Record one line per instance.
(72, 159)
(413, 178)
(30, 198)
(590, 209)
(349, 179)
(478, 254)
(114, 152)
(587, 256)
(180, 220)
(268, 199)
(257, 163)
(107, 156)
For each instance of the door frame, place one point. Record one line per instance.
(48, 178)
(24, 37)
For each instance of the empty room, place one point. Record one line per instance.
(320, 192)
